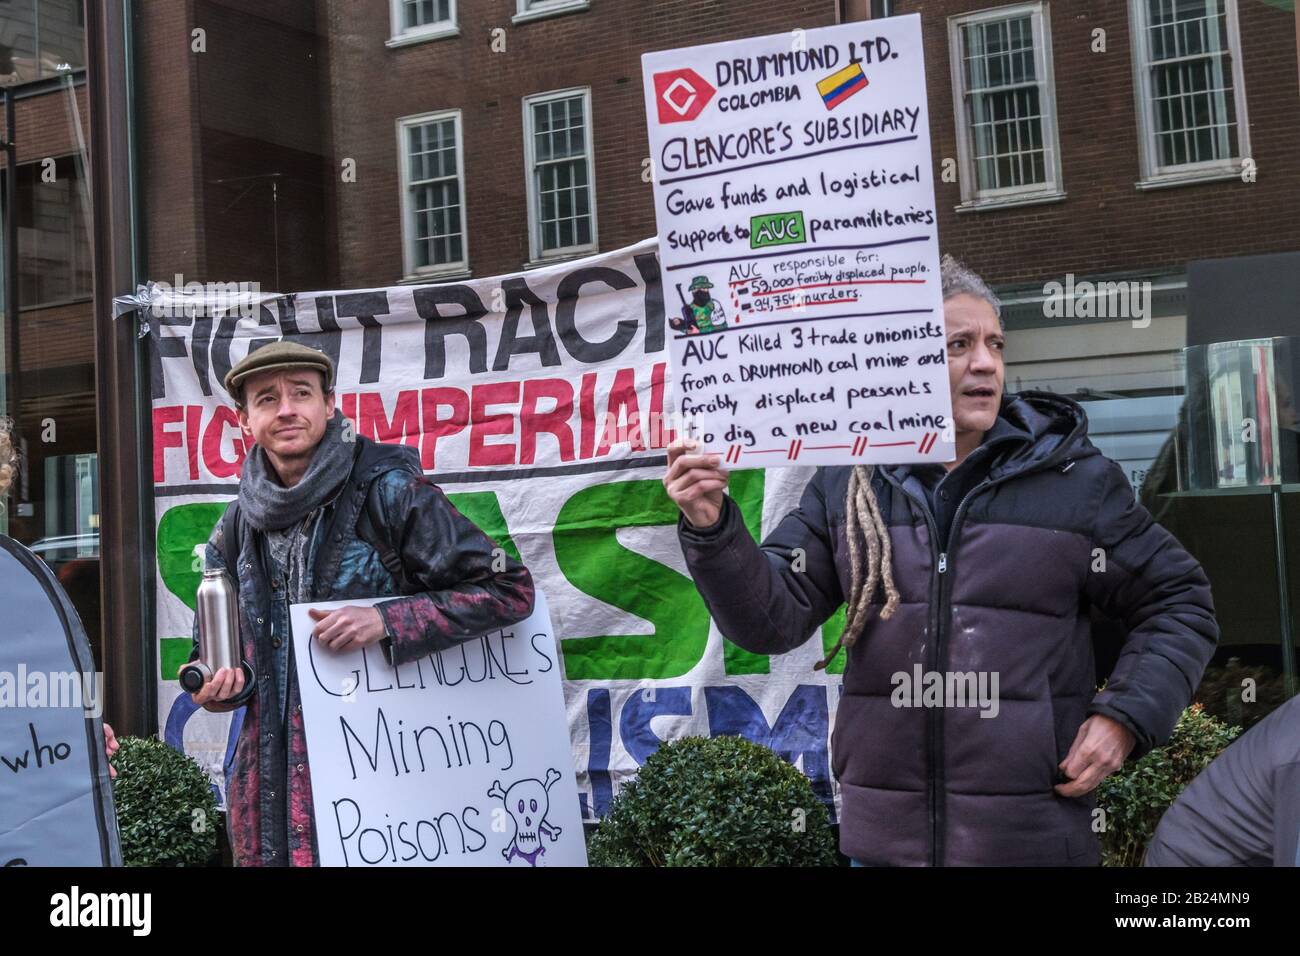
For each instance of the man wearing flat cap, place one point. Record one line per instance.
(326, 515)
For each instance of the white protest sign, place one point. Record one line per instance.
(458, 759)
(794, 196)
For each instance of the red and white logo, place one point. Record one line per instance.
(681, 95)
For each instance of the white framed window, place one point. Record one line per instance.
(561, 174)
(537, 9)
(1004, 95)
(434, 238)
(414, 21)
(1191, 99)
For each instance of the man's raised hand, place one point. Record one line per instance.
(695, 482)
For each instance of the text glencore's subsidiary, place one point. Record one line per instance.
(324, 515)
(988, 565)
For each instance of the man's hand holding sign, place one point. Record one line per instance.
(348, 627)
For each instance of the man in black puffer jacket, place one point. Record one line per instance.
(995, 560)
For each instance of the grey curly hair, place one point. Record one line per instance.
(866, 524)
(958, 280)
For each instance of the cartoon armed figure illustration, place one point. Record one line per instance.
(527, 803)
(703, 314)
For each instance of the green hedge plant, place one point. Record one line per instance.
(719, 801)
(166, 812)
(1135, 797)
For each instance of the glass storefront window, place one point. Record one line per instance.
(47, 337)
(41, 38)
(53, 238)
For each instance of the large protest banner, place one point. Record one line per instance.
(536, 401)
(457, 759)
(794, 196)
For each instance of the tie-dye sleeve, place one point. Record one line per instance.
(446, 553)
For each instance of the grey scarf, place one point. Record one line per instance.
(270, 506)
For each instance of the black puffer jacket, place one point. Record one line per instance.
(1053, 527)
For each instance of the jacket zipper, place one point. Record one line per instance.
(937, 779)
(942, 612)
(940, 559)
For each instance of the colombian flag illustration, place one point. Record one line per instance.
(839, 86)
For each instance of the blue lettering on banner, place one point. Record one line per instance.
(800, 731)
(634, 722)
(600, 734)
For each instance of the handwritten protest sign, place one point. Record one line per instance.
(56, 803)
(458, 759)
(795, 202)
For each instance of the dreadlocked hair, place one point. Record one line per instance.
(866, 525)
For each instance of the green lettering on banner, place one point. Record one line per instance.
(172, 653)
(593, 561)
(181, 531)
(483, 508)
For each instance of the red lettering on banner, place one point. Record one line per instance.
(349, 403)
(482, 425)
(555, 422)
(661, 435)
(220, 466)
(164, 438)
(193, 419)
(215, 447)
(622, 415)
(432, 399)
(404, 426)
(587, 415)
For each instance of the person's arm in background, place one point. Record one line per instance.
(110, 747)
(456, 562)
(758, 599)
(1161, 596)
(1244, 808)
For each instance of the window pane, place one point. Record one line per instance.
(1003, 103)
(40, 38)
(435, 193)
(563, 192)
(53, 239)
(419, 13)
(1193, 101)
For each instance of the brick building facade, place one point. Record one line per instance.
(1106, 224)
(371, 87)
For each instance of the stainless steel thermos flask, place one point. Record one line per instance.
(219, 644)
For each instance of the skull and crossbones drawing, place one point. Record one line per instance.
(527, 803)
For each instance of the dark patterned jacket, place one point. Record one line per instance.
(453, 594)
(1051, 529)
